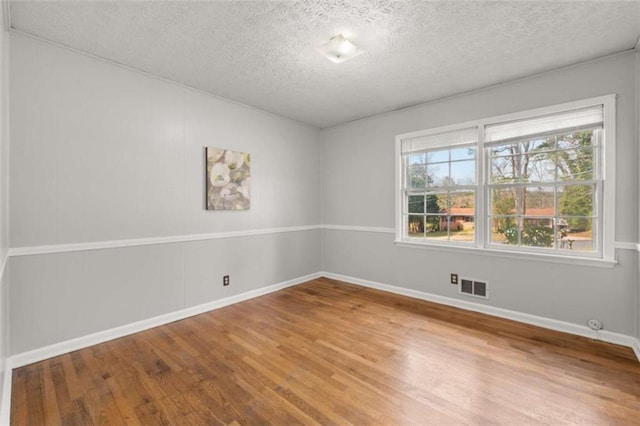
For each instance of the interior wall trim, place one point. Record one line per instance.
(626, 245)
(549, 323)
(360, 229)
(100, 245)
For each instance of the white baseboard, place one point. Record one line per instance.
(552, 324)
(5, 403)
(636, 348)
(56, 349)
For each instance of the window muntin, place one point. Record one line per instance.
(539, 180)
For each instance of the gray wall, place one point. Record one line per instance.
(638, 170)
(4, 201)
(102, 153)
(358, 190)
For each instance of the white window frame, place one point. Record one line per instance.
(604, 255)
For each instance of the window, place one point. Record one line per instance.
(441, 186)
(533, 182)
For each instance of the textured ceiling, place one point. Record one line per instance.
(262, 53)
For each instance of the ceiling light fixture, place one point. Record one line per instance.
(339, 49)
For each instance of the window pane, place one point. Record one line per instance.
(504, 230)
(575, 140)
(438, 156)
(506, 201)
(463, 231)
(463, 173)
(417, 176)
(438, 174)
(416, 204)
(462, 216)
(576, 233)
(466, 153)
(435, 202)
(537, 232)
(541, 168)
(503, 169)
(576, 200)
(415, 226)
(538, 201)
(575, 164)
(435, 226)
(504, 149)
(416, 159)
(541, 146)
(530, 161)
(462, 202)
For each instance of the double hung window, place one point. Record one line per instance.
(539, 181)
(441, 186)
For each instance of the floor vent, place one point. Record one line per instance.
(474, 288)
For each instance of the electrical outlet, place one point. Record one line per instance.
(454, 279)
(225, 280)
(594, 324)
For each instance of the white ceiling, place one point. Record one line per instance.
(262, 53)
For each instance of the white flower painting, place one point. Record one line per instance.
(228, 179)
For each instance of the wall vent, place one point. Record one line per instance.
(474, 288)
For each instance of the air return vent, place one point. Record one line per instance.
(474, 288)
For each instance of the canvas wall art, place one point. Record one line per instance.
(228, 179)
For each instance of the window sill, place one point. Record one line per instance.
(528, 256)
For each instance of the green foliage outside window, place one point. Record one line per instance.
(532, 236)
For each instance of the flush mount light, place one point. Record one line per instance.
(339, 49)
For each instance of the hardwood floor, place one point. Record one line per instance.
(333, 353)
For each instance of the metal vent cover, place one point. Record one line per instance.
(474, 288)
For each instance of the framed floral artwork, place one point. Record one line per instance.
(228, 179)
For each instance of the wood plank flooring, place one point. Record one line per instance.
(333, 353)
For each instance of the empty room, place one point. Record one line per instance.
(365, 212)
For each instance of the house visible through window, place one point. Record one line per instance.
(533, 182)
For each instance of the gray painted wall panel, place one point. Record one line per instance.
(57, 297)
(102, 153)
(4, 198)
(358, 189)
(251, 262)
(558, 291)
(638, 188)
(4, 143)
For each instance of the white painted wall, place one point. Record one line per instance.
(102, 153)
(358, 190)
